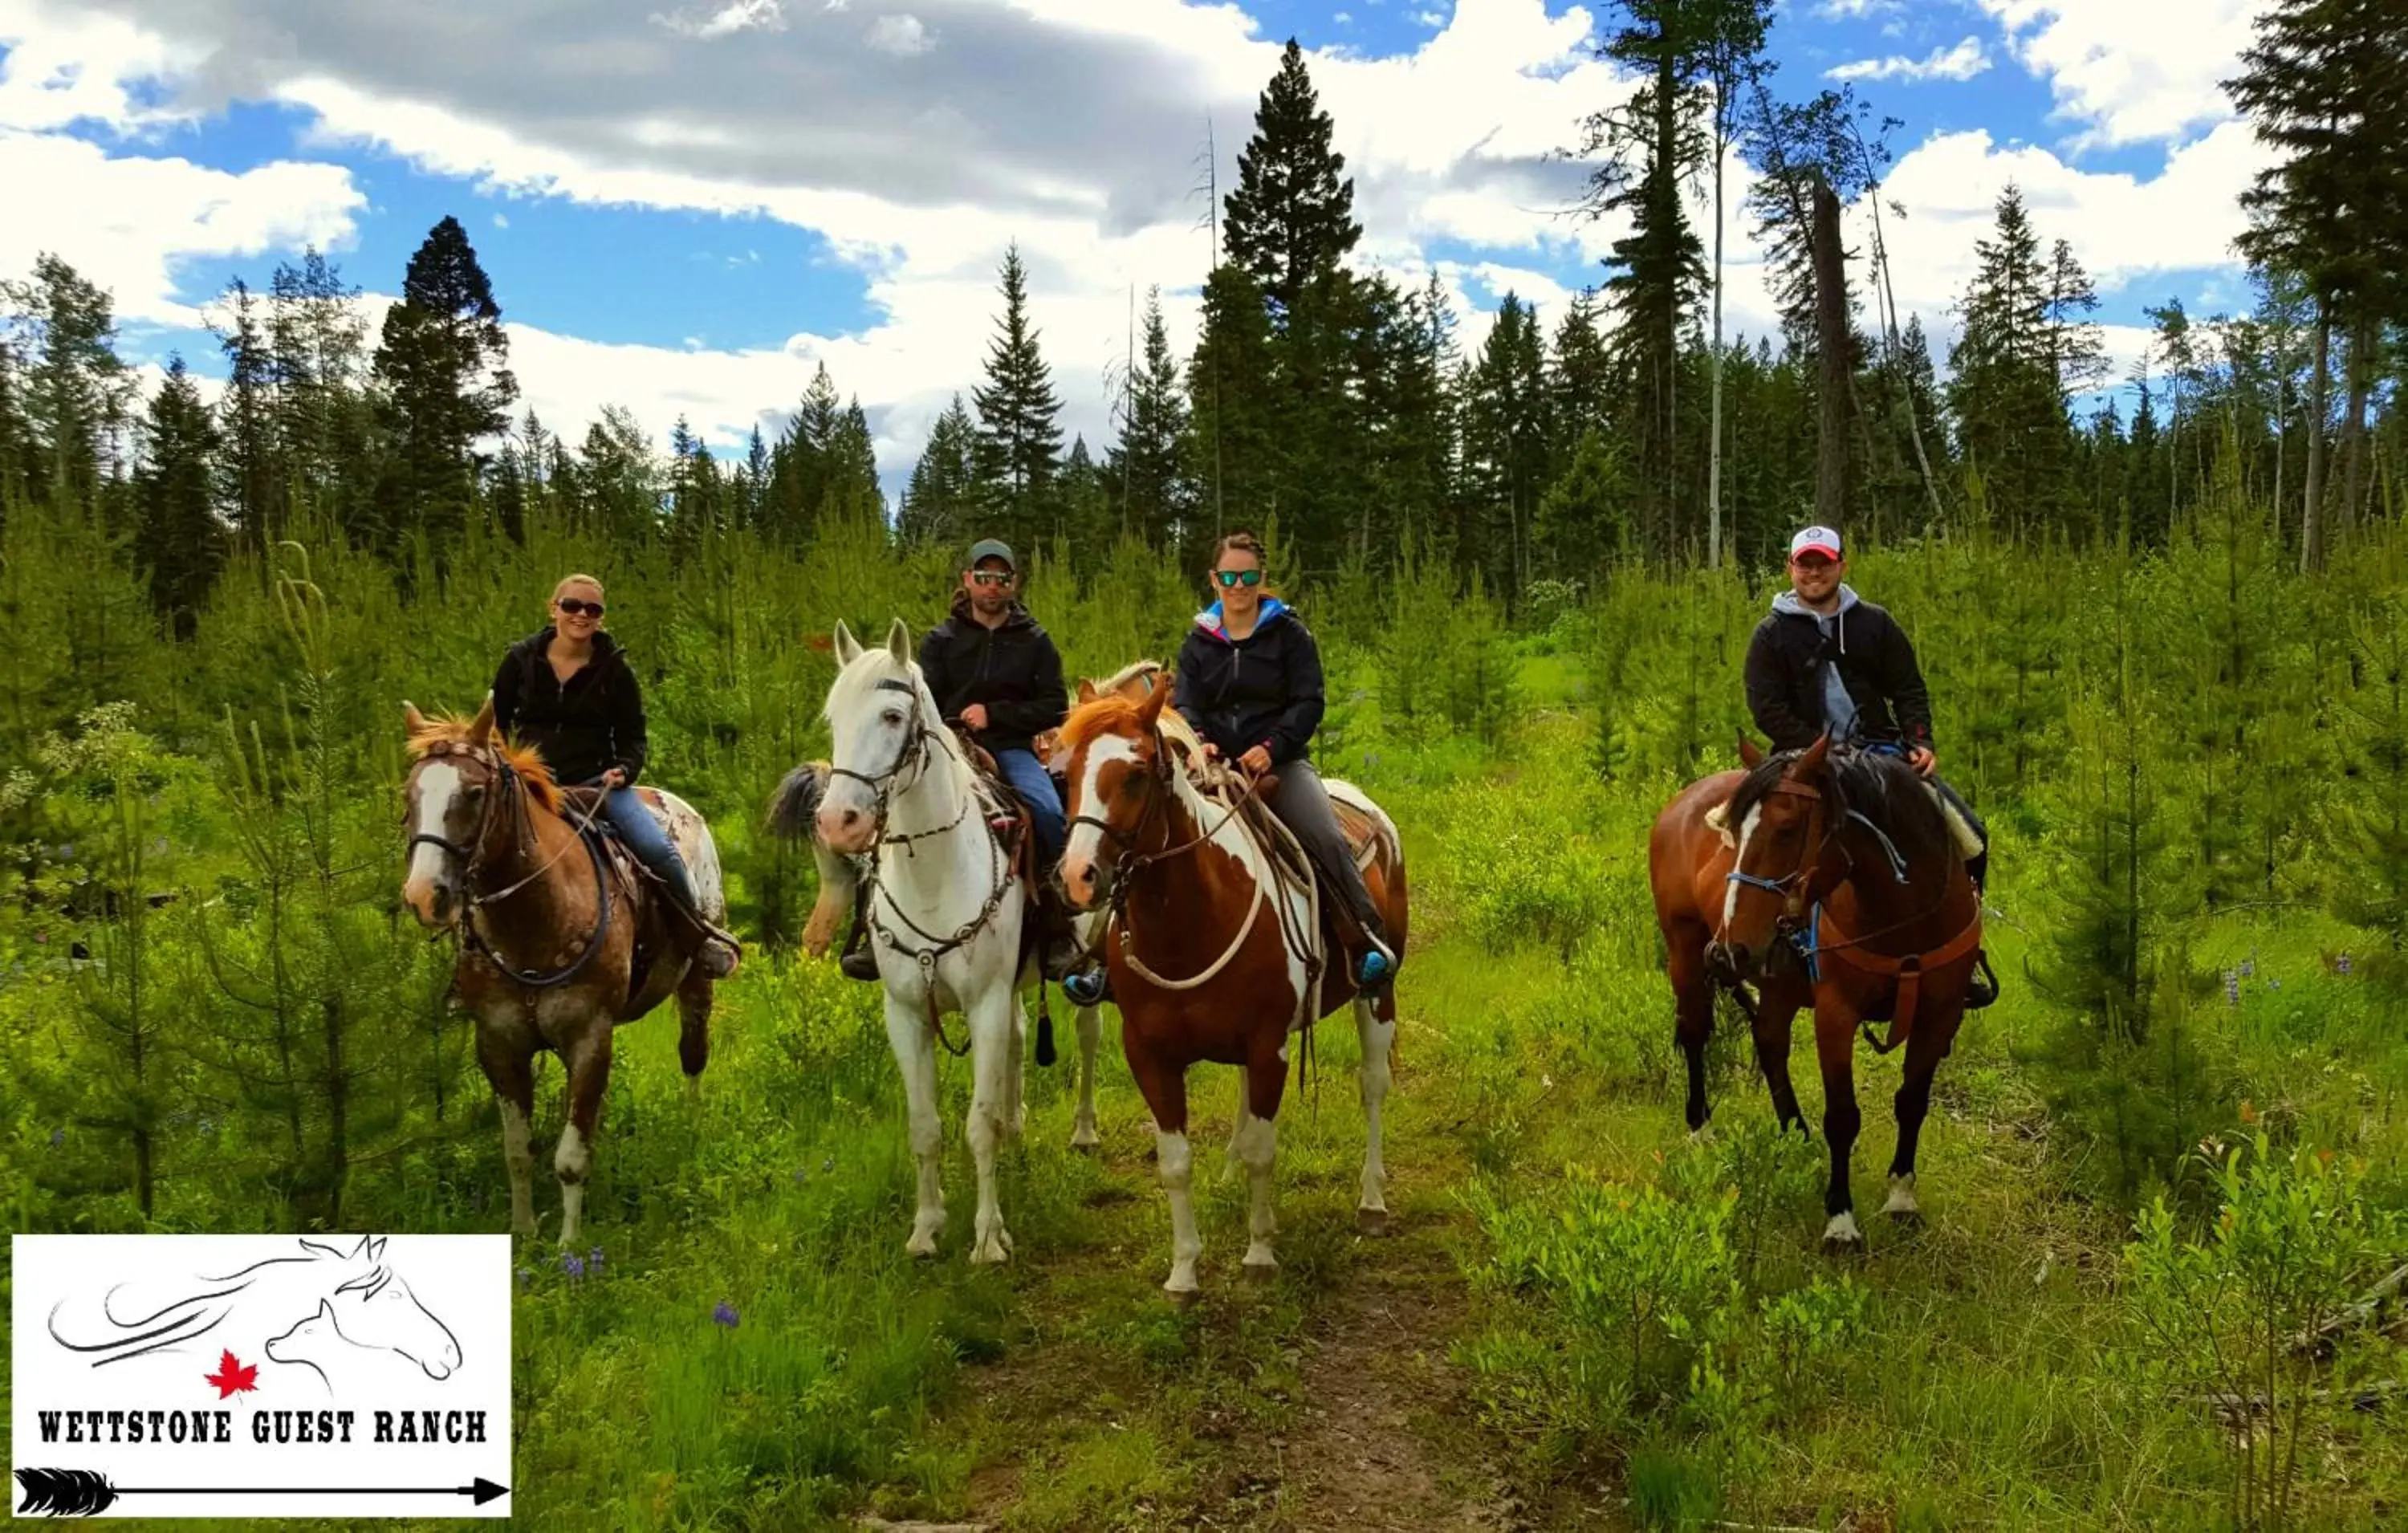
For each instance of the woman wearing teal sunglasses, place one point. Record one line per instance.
(1250, 682)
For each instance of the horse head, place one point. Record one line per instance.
(1120, 783)
(1780, 824)
(881, 722)
(447, 796)
(377, 1309)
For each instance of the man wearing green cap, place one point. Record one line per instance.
(996, 673)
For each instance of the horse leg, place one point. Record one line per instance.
(1835, 1045)
(1091, 1030)
(1770, 1027)
(1378, 1036)
(693, 994)
(1693, 1009)
(915, 1054)
(510, 1071)
(1256, 1145)
(1926, 1047)
(1016, 1074)
(1164, 1086)
(993, 1021)
(589, 1076)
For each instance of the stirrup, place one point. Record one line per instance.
(860, 964)
(1088, 987)
(1982, 989)
(1375, 969)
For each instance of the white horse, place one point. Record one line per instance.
(946, 910)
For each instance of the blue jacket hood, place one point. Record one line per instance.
(1209, 619)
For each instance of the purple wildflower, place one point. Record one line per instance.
(2273, 984)
(58, 1137)
(2232, 988)
(593, 1258)
(2343, 967)
(2249, 969)
(573, 1263)
(725, 1315)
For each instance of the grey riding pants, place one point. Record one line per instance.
(1302, 805)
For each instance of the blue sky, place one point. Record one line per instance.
(687, 208)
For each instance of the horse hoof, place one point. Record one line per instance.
(1261, 1273)
(1372, 1221)
(921, 1247)
(1087, 1146)
(1906, 1218)
(1183, 1298)
(1836, 1245)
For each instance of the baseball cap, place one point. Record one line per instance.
(991, 548)
(1821, 540)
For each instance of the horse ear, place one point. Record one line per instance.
(1086, 692)
(1812, 759)
(480, 728)
(376, 1249)
(320, 1247)
(848, 649)
(411, 719)
(1149, 712)
(1749, 755)
(326, 1311)
(898, 642)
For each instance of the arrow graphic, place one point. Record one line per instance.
(85, 1493)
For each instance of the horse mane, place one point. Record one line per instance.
(1881, 787)
(450, 731)
(1103, 716)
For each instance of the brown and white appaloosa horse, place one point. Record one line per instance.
(560, 941)
(1829, 878)
(1214, 955)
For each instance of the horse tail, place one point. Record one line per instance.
(794, 805)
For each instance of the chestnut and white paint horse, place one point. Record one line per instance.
(1215, 956)
(946, 911)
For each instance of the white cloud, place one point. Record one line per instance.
(72, 66)
(1856, 11)
(501, 221)
(2133, 71)
(729, 19)
(1962, 61)
(129, 223)
(903, 35)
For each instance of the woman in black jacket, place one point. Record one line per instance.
(1250, 682)
(569, 692)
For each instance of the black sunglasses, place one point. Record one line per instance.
(575, 609)
(992, 576)
(1238, 577)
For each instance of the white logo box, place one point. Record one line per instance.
(261, 1375)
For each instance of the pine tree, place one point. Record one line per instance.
(1651, 147)
(1505, 444)
(1734, 65)
(179, 543)
(254, 480)
(1019, 437)
(1580, 379)
(2322, 86)
(317, 341)
(1233, 435)
(853, 487)
(940, 503)
(1146, 470)
(752, 485)
(1291, 216)
(799, 473)
(76, 392)
(443, 363)
(2006, 395)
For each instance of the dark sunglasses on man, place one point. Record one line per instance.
(576, 609)
(990, 577)
(1239, 577)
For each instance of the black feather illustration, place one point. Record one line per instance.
(66, 1493)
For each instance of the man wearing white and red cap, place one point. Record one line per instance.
(1826, 661)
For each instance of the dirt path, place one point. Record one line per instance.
(1385, 1440)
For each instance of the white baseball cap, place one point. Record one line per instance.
(1821, 540)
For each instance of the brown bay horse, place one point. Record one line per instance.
(1214, 957)
(1828, 879)
(559, 943)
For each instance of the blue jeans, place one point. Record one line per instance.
(643, 835)
(1026, 773)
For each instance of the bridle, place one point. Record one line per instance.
(505, 784)
(911, 756)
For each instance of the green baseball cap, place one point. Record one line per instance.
(992, 548)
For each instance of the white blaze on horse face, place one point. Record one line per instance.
(1739, 859)
(873, 744)
(439, 783)
(1085, 848)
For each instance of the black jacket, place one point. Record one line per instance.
(583, 729)
(1877, 665)
(1264, 689)
(1014, 670)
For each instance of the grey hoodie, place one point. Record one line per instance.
(1840, 709)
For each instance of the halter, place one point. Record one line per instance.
(912, 756)
(507, 784)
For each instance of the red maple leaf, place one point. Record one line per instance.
(231, 1376)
